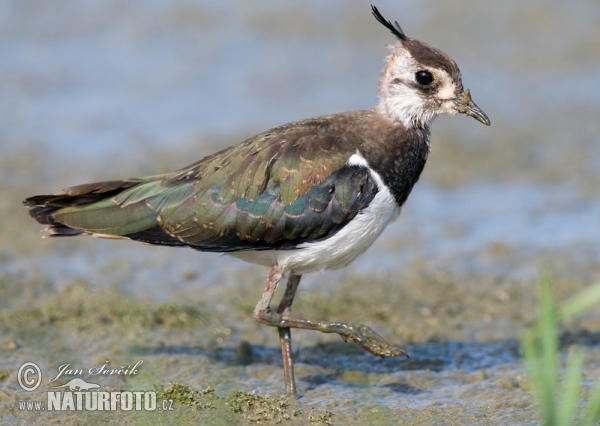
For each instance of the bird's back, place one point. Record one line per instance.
(281, 188)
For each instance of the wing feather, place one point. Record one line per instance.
(277, 190)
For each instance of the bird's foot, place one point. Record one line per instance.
(363, 335)
(367, 339)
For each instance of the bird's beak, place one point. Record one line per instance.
(465, 105)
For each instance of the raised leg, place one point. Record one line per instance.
(263, 310)
(361, 334)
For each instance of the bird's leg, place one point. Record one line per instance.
(361, 334)
(262, 311)
(264, 314)
(285, 305)
(285, 335)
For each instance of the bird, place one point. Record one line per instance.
(300, 198)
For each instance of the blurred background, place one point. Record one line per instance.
(104, 89)
(95, 90)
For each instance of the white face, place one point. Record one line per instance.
(412, 93)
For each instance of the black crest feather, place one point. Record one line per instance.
(396, 30)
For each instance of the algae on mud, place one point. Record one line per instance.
(464, 366)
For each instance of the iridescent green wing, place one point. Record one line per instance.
(276, 190)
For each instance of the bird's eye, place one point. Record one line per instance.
(424, 78)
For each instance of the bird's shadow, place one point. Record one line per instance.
(340, 357)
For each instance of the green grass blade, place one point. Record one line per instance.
(538, 380)
(541, 355)
(592, 409)
(580, 302)
(569, 397)
(548, 326)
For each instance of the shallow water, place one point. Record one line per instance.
(106, 89)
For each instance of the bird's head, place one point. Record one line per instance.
(420, 82)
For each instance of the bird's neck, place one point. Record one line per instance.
(405, 108)
(397, 153)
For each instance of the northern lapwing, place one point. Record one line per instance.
(300, 198)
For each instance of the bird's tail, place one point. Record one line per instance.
(43, 207)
